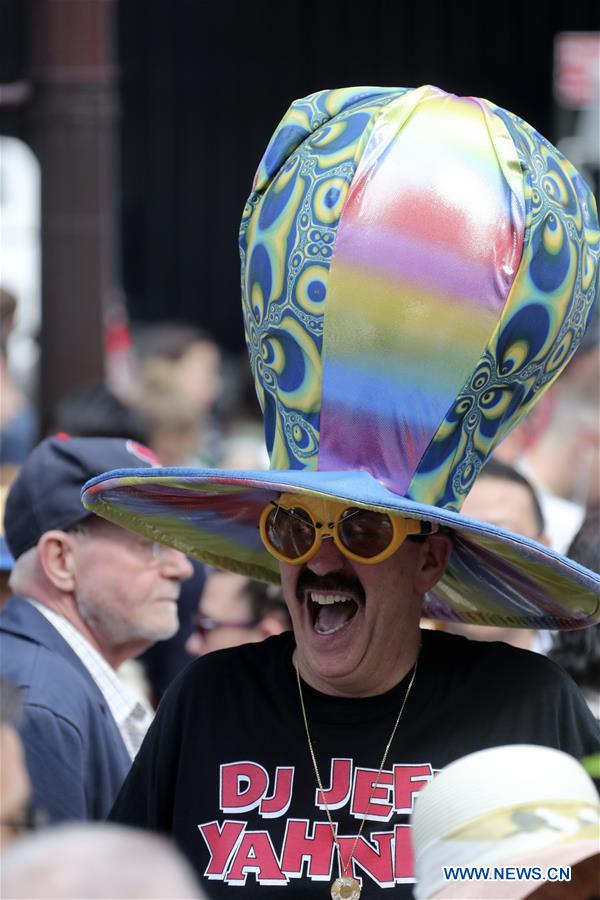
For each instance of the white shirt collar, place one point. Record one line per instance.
(131, 712)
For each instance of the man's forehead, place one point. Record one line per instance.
(94, 525)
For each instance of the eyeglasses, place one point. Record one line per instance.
(150, 551)
(204, 624)
(293, 527)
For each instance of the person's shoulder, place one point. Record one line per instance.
(244, 657)
(256, 652)
(520, 696)
(21, 624)
(457, 654)
(234, 668)
(16, 616)
(47, 678)
(23, 658)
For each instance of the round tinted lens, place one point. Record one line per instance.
(365, 533)
(290, 531)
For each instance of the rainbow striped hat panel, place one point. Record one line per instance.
(416, 269)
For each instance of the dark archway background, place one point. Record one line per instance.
(204, 84)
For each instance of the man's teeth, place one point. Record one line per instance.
(326, 599)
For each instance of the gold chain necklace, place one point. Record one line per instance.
(346, 887)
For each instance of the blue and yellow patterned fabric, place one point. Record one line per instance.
(417, 268)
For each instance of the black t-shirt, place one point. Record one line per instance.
(226, 770)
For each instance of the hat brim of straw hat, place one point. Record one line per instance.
(494, 577)
(498, 812)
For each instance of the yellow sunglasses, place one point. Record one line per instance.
(293, 527)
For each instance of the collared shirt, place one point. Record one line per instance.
(132, 713)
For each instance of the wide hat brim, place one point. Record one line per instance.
(494, 577)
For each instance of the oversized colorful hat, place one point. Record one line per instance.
(417, 268)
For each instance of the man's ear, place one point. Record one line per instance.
(435, 553)
(55, 553)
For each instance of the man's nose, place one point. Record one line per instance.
(327, 558)
(175, 564)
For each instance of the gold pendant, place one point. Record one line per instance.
(345, 888)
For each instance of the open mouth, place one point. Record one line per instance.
(332, 600)
(331, 612)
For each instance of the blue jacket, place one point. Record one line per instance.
(75, 754)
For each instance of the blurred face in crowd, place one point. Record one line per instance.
(126, 588)
(508, 505)
(224, 615)
(197, 374)
(15, 788)
(505, 504)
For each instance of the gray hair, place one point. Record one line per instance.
(24, 572)
(94, 860)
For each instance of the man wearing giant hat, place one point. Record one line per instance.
(417, 268)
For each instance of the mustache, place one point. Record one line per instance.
(339, 582)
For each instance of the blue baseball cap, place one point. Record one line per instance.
(46, 492)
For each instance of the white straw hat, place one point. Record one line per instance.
(517, 805)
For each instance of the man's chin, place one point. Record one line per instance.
(168, 631)
(163, 630)
(327, 635)
(328, 662)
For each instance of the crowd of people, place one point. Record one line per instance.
(360, 654)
